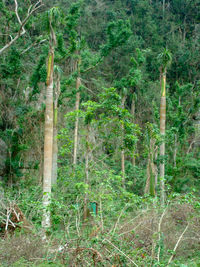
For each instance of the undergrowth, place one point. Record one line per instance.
(140, 234)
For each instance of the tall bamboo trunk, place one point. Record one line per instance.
(122, 152)
(78, 84)
(48, 141)
(55, 132)
(162, 132)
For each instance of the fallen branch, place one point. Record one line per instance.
(105, 239)
(176, 246)
(133, 229)
(118, 219)
(12, 217)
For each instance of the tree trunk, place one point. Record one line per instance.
(175, 149)
(85, 210)
(163, 9)
(151, 171)
(48, 142)
(146, 190)
(162, 132)
(122, 152)
(78, 83)
(133, 116)
(156, 167)
(123, 167)
(55, 132)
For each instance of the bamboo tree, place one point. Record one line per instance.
(165, 58)
(48, 127)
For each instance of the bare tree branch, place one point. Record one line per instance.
(17, 15)
(33, 45)
(22, 30)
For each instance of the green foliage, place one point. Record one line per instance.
(71, 27)
(118, 33)
(40, 72)
(13, 66)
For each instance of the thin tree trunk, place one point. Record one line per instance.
(55, 132)
(163, 9)
(146, 190)
(133, 117)
(175, 149)
(156, 167)
(85, 210)
(162, 132)
(78, 84)
(48, 142)
(151, 171)
(123, 167)
(122, 152)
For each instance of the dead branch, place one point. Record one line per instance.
(119, 217)
(12, 217)
(177, 243)
(121, 252)
(33, 45)
(22, 31)
(132, 230)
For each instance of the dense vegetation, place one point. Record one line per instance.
(91, 174)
